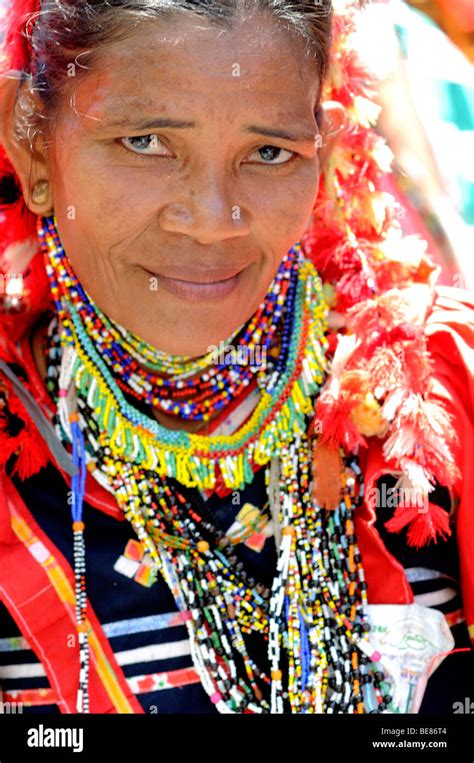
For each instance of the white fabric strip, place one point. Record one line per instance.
(34, 670)
(154, 652)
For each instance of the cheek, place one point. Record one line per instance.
(90, 189)
(101, 235)
(284, 208)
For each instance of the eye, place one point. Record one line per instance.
(147, 145)
(273, 155)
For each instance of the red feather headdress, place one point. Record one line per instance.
(380, 287)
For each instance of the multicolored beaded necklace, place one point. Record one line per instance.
(218, 383)
(314, 619)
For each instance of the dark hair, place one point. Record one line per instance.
(67, 33)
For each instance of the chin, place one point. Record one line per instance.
(183, 348)
(184, 335)
(187, 328)
(180, 325)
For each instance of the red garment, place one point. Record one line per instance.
(450, 336)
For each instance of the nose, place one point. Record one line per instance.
(206, 210)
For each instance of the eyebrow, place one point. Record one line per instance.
(273, 133)
(152, 124)
(181, 124)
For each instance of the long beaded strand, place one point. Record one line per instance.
(77, 496)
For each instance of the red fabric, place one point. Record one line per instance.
(450, 331)
(385, 576)
(45, 621)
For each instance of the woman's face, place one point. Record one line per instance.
(183, 168)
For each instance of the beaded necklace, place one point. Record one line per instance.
(285, 398)
(314, 618)
(218, 382)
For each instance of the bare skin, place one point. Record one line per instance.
(147, 211)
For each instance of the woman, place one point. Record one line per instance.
(169, 371)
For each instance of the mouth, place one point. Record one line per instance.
(202, 287)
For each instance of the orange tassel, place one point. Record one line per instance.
(327, 467)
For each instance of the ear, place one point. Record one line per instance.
(332, 122)
(26, 153)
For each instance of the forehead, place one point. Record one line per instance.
(186, 65)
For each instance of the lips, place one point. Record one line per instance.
(201, 276)
(199, 286)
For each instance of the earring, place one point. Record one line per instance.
(40, 192)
